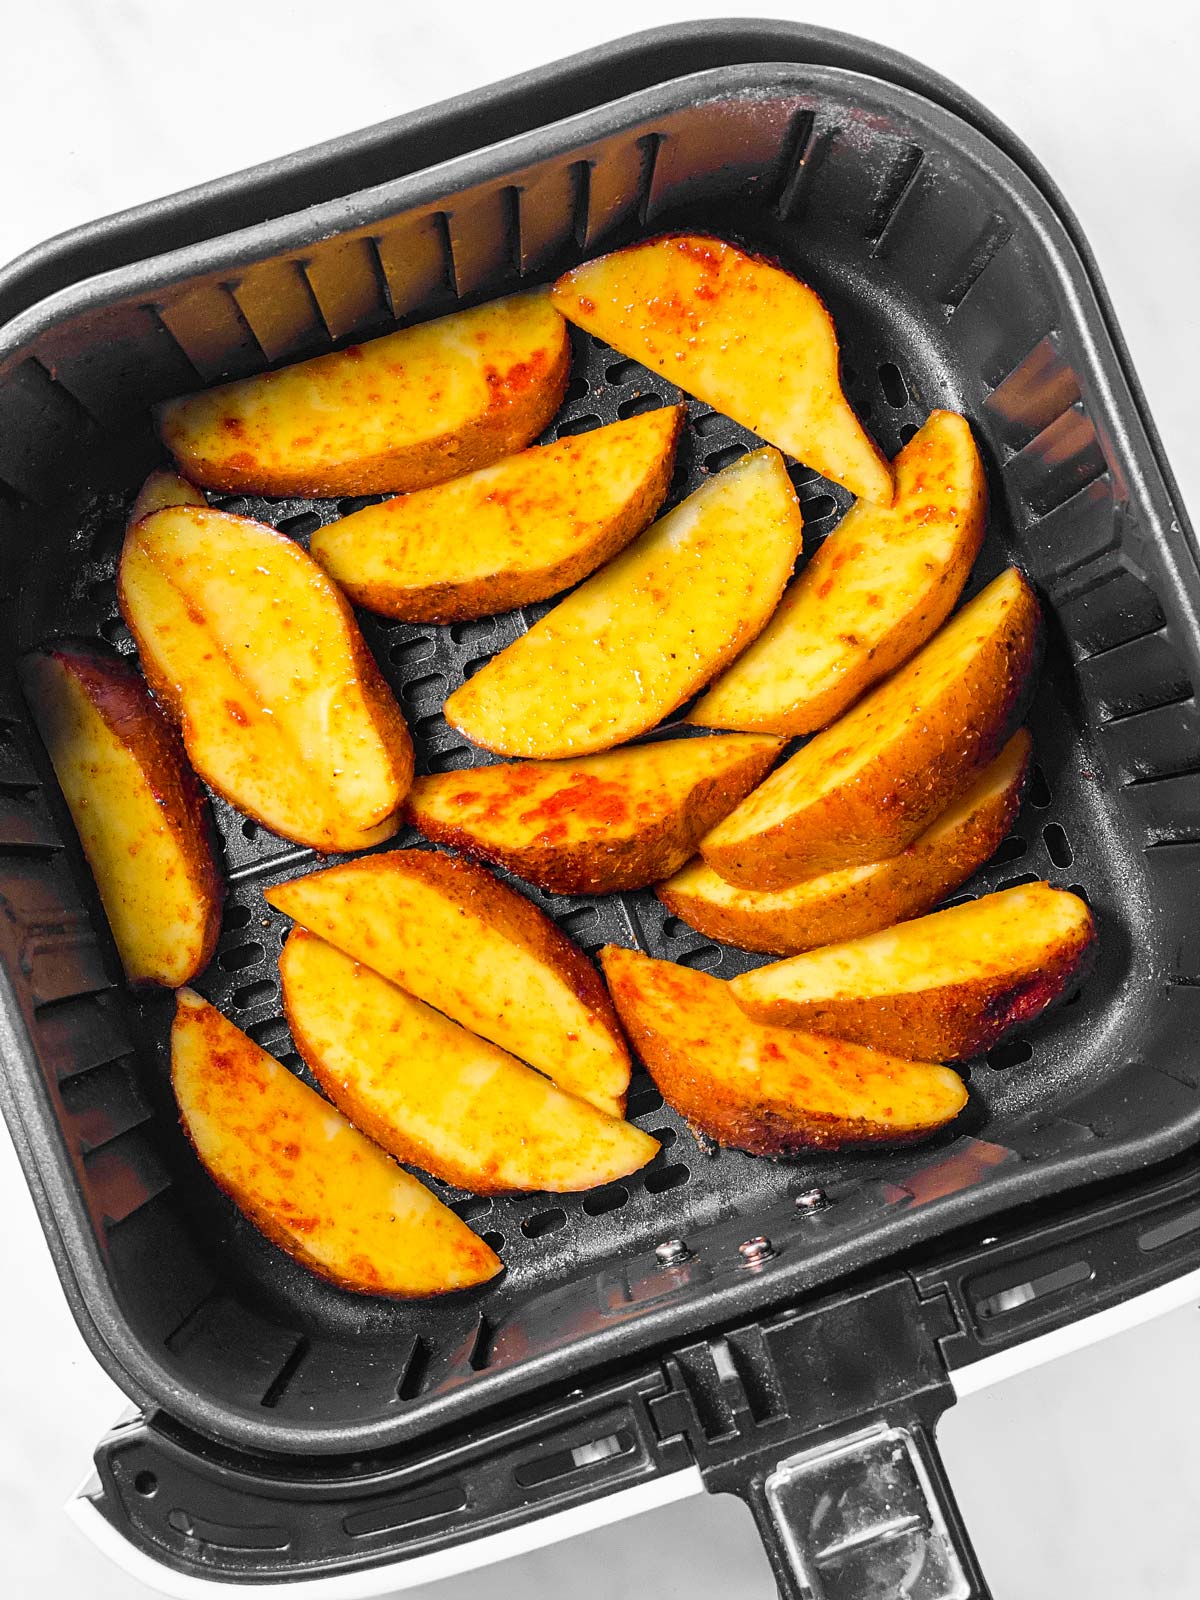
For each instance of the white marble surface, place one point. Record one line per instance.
(1082, 1478)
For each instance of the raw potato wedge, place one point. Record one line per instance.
(437, 1096)
(141, 816)
(597, 825)
(521, 530)
(161, 489)
(771, 1091)
(866, 786)
(882, 583)
(310, 1181)
(641, 636)
(258, 656)
(452, 935)
(746, 337)
(949, 985)
(398, 413)
(858, 900)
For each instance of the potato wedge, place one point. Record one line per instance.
(597, 825)
(309, 1180)
(398, 413)
(438, 1097)
(140, 814)
(866, 786)
(518, 531)
(258, 656)
(882, 583)
(739, 333)
(771, 1091)
(161, 489)
(452, 935)
(637, 639)
(858, 900)
(949, 985)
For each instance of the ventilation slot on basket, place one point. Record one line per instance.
(228, 1535)
(281, 312)
(278, 1385)
(1165, 1233)
(1003, 1301)
(208, 326)
(810, 158)
(558, 1463)
(895, 189)
(424, 1505)
(987, 247)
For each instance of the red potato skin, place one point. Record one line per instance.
(386, 714)
(524, 401)
(756, 1126)
(119, 695)
(615, 864)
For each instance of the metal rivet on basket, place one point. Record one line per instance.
(672, 1253)
(811, 1201)
(755, 1251)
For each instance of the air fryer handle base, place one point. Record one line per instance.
(865, 1515)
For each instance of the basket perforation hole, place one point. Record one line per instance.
(235, 917)
(1011, 1053)
(451, 760)
(472, 632)
(601, 1201)
(665, 1136)
(430, 727)
(676, 928)
(1010, 849)
(577, 922)
(577, 389)
(643, 1103)
(359, 502)
(1019, 881)
(305, 522)
(476, 664)
(1039, 793)
(544, 1222)
(146, 1484)
(817, 507)
(909, 432)
(116, 633)
(250, 829)
(1058, 846)
(494, 1241)
(624, 372)
(271, 1028)
(891, 381)
(1078, 889)
(665, 1178)
(705, 958)
(252, 994)
(408, 652)
(712, 422)
(474, 1206)
(431, 687)
(241, 956)
(639, 405)
(585, 424)
(720, 459)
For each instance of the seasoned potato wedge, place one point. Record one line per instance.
(141, 817)
(637, 639)
(948, 985)
(452, 935)
(771, 1091)
(603, 823)
(882, 583)
(161, 489)
(401, 412)
(520, 530)
(257, 654)
(866, 786)
(748, 338)
(438, 1097)
(858, 900)
(309, 1180)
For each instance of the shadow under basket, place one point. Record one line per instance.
(956, 279)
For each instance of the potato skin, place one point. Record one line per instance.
(907, 783)
(382, 708)
(506, 589)
(761, 1126)
(903, 886)
(120, 698)
(617, 862)
(523, 399)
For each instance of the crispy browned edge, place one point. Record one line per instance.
(616, 864)
(265, 1221)
(121, 698)
(908, 885)
(950, 1023)
(747, 631)
(513, 916)
(512, 421)
(386, 716)
(903, 640)
(910, 781)
(506, 590)
(707, 1104)
(559, 294)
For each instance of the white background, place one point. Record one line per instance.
(1083, 1478)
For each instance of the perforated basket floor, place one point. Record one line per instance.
(952, 283)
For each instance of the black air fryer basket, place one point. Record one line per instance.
(289, 1430)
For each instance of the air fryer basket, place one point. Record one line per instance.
(954, 281)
